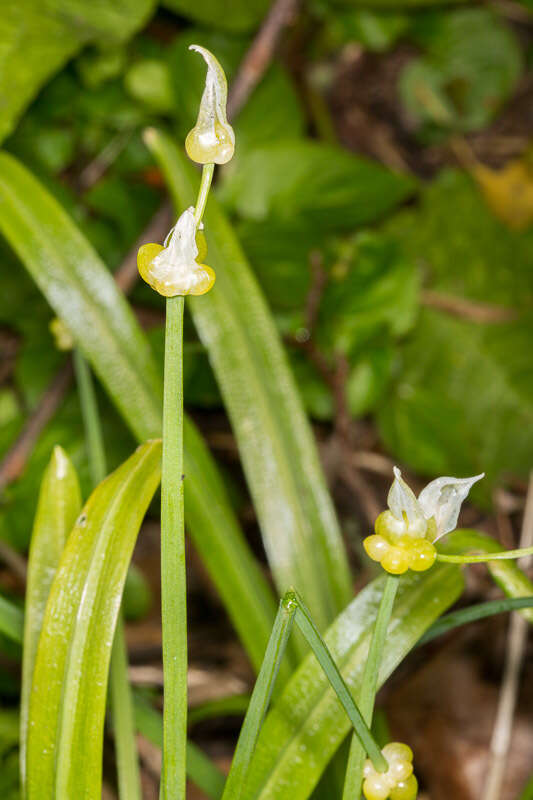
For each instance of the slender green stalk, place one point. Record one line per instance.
(325, 659)
(129, 779)
(367, 697)
(200, 769)
(260, 699)
(480, 559)
(173, 572)
(173, 577)
(205, 184)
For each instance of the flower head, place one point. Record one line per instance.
(212, 140)
(406, 533)
(173, 269)
(398, 783)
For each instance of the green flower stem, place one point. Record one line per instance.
(260, 699)
(324, 657)
(356, 761)
(173, 572)
(129, 779)
(205, 185)
(485, 557)
(173, 576)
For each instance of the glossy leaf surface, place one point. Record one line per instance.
(307, 724)
(68, 698)
(82, 292)
(59, 505)
(295, 511)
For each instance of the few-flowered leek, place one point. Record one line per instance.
(405, 534)
(176, 269)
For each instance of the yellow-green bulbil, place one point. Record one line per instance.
(398, 782)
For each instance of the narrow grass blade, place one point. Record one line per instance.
(474, 613)
(58, 506)
(298, 523)
(307, 723)
(82, 292)
(11, 620)
(200, 770)
(507, 574)
(260, 700)
(67, 705)
(326, 661)
(356, 760)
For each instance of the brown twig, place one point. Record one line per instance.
(16, 457)
(260, 54)
(516, 645)
(467, 309)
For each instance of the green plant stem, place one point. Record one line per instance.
(260, 699)
(480, 559)
(129, 779)
(173, 572)
(205, 184)
(367, 697)
(325, 659)
(173, 577)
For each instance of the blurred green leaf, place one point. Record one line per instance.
(149, 81)
(471, 65)
(327, 187)
(68, 697)
(38, 36)
(460, 246)
(277, 450)
(462, 402)
(307, 723)
(376, 30)
(137, 598)
(59, 505)
(231, 15)
(375, 289)
(11, 625)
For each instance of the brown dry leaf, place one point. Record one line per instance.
(508, 191)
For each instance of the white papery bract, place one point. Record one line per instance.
(440, 500)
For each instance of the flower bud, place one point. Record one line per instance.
(173, 269)
(212, 140)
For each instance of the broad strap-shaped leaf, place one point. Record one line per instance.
(298, 523)
(307, 723)
(59, 505)
(82, 292)
(37, 38)
(68, 698)
(507, 574)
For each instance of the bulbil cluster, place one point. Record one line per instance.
(405, 534)
(398, 782)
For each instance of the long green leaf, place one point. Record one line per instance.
(474, 613)
(307, 724)
(68, 698)
(297, 519)
(11, 620)
(59, 505)
(506, 574)
(80, 289)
